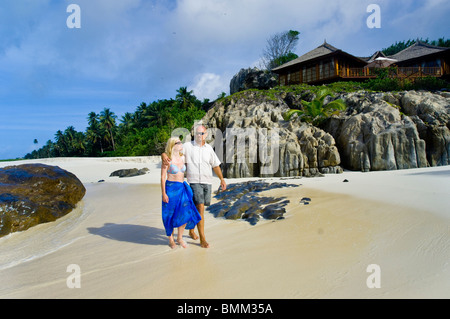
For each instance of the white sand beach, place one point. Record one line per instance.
(398, 220)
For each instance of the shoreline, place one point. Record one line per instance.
(320, 250)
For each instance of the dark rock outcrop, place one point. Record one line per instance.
(31, 194)
(252, 78)
(241, 201)
(129, 172)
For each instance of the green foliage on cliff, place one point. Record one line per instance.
(317, 110)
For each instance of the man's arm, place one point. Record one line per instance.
(218, 172)
(165, 159)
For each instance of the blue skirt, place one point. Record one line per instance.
(180, 209)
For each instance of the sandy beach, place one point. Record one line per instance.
(397, 220)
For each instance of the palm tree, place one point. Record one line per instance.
(74, 141)
(155, 112)
(317, 111)
(140, 115)
(61, 145)
(185, 98)
(79, 144)
(48, 148)
(94, 133)
(69, 136)
(126, 122)
(108, 123)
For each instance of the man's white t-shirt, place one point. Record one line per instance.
(200, 160)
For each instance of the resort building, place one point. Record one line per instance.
(328, 64)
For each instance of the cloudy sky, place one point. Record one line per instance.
(132, 51)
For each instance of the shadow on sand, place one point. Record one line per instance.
(433, 173)
(137, 234)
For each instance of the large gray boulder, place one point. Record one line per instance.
(431, 114)
(257, 142)
(252, 78)
(386, 131)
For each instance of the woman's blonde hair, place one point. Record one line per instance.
(169, 146)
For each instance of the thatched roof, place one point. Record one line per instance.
(376, 55)
(321, 51)
(417, 50)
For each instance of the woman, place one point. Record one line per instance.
(178, 209)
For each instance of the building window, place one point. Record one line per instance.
(309, 73)
(327, 69)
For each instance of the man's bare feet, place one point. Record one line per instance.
(192, 234)
(204, 244)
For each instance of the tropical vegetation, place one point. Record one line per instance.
(317, 110)
(141, 133)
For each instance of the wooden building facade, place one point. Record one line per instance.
(328, 64)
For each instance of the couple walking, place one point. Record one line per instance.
(183, 204)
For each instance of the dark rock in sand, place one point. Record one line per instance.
(31, 194)
(305, 200)
(241, 201)
(129, 172)
(275, 211)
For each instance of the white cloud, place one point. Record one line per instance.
(209, 86)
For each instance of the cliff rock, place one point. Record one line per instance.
(386, 131)
(255, 140)
(252, 78)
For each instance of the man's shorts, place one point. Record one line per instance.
(202, 193)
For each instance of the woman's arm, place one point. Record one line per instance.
(164, 168)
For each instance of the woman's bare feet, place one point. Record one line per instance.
(172, 242)
(182, 243)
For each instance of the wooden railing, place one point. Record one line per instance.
(402, 72)
(357, 72)
(419, 72)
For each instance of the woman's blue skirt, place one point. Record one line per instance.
(180, 209)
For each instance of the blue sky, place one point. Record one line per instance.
(132, 51)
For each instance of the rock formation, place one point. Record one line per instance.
(385, 131)
(378, 131)
(431, 114)
(35, 193)
(255, 141)
(241, 201)
(252, 78)
(131, 172)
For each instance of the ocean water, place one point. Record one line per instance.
(40, 240)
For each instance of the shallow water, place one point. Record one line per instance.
(40, 240)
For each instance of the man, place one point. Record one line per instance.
(201, 160)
